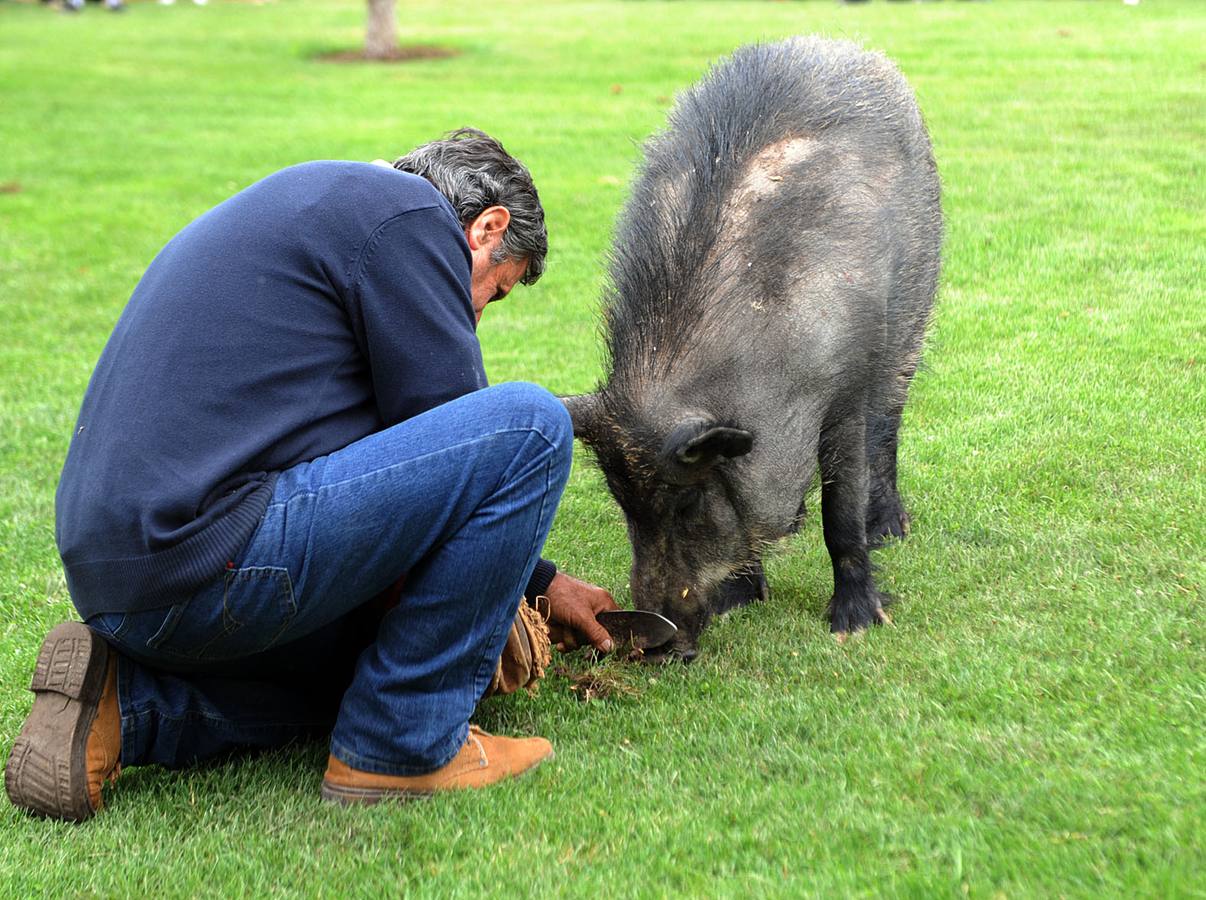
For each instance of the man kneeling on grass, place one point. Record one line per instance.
(290, 417)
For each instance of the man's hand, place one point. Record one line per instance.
(572, 608)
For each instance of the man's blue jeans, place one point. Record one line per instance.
(459, 499)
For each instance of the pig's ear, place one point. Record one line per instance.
(699, 445)
(584, 411)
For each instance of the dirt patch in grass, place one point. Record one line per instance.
(595, 684)
(10, 187)
(402, 54)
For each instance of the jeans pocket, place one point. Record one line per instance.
(243, 613)
(111, 626)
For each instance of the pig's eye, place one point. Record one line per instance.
(688, 503)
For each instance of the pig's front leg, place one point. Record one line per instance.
(856, 602)
(746, 586)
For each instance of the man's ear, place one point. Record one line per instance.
(694, 446)
(487, 229)
(584, 410)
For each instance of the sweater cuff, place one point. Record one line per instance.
(542, 577)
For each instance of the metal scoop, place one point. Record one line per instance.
(637, 627)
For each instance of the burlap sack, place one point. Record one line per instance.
(526, 654)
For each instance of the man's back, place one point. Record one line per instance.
(312, 309)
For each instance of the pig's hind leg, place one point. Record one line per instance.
(856, 601)
(886, 515)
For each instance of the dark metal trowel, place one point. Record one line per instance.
(637, 627)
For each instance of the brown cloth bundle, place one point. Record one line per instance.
(526, 653)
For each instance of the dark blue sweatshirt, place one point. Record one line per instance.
(318, 306)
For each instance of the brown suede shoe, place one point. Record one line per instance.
(70, 743)
(483, 760)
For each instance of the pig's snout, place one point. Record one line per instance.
(669, 593)
(669, 653)
(683, 647)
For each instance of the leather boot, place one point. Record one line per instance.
(71, 741)
(483, 760)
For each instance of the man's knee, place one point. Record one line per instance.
(531, 406)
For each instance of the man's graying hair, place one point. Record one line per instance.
(474, 172)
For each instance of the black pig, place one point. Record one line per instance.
(770, 286)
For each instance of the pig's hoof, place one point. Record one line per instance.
(850, 615)
(842, 636)
(886, 519)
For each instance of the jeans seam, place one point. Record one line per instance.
(536, 430)
(539, 526)
(483, 670)
(414, 459)
(549, 446)
(194, 715)
(128, 725)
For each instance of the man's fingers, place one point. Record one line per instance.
(573, 605)
(597, 635)
(562, 637)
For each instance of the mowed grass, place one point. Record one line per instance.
(1031, 725)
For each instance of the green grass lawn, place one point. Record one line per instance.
(1033, 722)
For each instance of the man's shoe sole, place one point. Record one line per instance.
(46, 772)
(354, 796)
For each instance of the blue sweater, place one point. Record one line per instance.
(320, 305)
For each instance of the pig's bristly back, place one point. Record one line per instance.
(732, 139)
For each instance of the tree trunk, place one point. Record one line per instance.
(381, 37)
